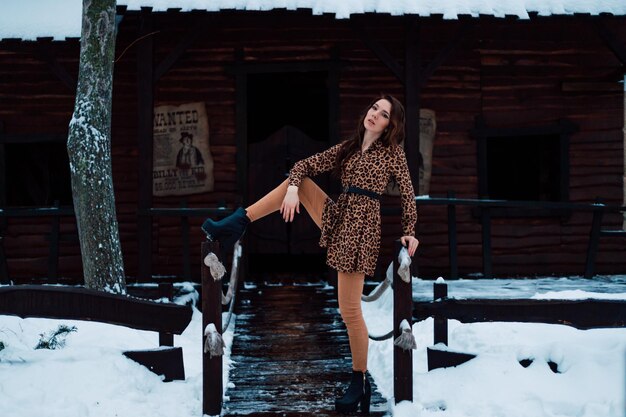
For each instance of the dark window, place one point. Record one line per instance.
(37, 174)
(298, 99)
(524, 168)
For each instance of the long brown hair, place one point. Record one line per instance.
(393, 134)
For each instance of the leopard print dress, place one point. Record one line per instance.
(351, 226)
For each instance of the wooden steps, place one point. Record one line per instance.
(290, 354)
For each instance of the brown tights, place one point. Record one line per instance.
(350, 285)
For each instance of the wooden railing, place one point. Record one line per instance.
(581, 314)
(484, 206)
(55, 237)
(54, 213)
(487, 206)
(73, 303)
(184, 213)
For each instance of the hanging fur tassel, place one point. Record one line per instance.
(406, 340)
(214, 264)
(214, 344)
(404, 270)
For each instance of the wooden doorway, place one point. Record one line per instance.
(288, 117)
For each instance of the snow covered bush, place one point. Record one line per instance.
(56, 338)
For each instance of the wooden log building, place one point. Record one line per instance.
(526, 108)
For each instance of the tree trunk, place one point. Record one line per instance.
(89, 149)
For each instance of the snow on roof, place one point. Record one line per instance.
(60, 19)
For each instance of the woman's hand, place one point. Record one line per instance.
(411, 243)
(291, 204)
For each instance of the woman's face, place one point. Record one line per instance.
(377, 117)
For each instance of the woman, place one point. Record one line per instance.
(351, 226)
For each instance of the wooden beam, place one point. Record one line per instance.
(580, 314)
(71, 303)
(241, 127)
(334, 107)
(379, 50)
(445, 53)
(245, 68)
(169, 61)
(412, 72)
(32, 138)
(611, 40)
(145, 100)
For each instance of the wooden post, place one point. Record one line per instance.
(402, 310)
(452, 238)
(440, 291)
(212, 386)
(53, 252)
(594, 238)
(241, 126)
(485, 217)
(166, 290)
(145, 101)
(412, 72)
(184, 235)
(4, 272)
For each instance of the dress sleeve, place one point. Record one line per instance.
(313, 165)
(400, 171)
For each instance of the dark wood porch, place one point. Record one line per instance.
(290, 354)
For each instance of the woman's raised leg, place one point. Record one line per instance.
(311, 196)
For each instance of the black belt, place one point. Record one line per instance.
(357, 190)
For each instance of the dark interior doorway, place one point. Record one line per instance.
(524, 168)
(287, 120)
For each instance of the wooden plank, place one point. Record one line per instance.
(31, 138)
(82, 304)
(290, 367)
(581, 314)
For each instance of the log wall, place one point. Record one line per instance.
(513, 73)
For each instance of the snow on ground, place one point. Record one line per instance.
(91, 378)
(591, 363)
(605, 287)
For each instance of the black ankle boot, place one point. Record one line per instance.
(359, 391)
(228, 230)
